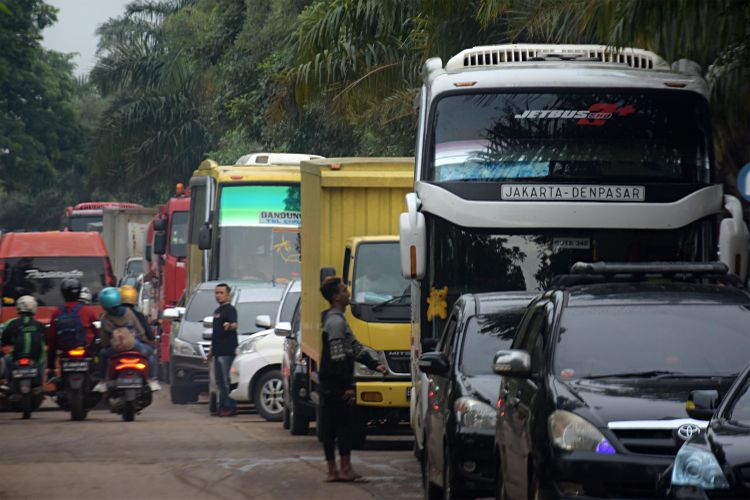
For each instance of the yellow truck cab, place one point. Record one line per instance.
(350, 209)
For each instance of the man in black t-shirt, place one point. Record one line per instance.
(223, 345)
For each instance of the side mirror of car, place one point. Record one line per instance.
(512, 363)
(434, 363)
(208, 322)
(263, 321)
(171, 314)
(283, 329)
(701, 405)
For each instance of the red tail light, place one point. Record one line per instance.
(130, 363)
(79, 351)
(24, 361)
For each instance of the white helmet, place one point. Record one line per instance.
(85, 295)
(26, 304)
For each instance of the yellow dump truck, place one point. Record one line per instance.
(350, 209)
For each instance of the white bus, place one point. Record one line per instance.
(530, 158)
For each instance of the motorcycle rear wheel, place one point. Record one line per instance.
(77, 405)
(26, 405)
(128, 412)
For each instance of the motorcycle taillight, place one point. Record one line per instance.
(130, 363)
(24, 362)
(77, 352)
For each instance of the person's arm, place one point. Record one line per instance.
(231, 319)
(43, 335)
(52, 342)
(145, 325)
(362, 355)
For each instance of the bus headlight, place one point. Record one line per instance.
(475, 414)
(694, 466)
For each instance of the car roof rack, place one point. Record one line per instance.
(583, 273)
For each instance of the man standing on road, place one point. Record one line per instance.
(223, 345)
(337, 395)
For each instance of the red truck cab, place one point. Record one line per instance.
(167, 240)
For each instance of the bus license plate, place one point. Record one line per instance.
(75, 366)
(128, 382)
(25, 372)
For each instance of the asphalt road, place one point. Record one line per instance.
(180, 452)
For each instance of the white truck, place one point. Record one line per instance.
(124, 231)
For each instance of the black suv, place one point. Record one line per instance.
(460, 421)
(592, 400)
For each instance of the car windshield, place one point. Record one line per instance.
(619, 136)
(696, 339)
(247, 311)
(202, 304)
(485, 335)
(739, 411)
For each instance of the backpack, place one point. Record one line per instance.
(122, 339)
(70, 330)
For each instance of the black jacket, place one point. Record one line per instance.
(27, 336)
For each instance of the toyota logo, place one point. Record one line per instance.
(686, 431)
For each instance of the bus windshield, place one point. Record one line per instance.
(581, 135)
(259, 232)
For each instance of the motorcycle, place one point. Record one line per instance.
(127, 390)
(25, 386)
(77, 379)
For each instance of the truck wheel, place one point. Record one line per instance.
(269, 395)
(181, 395)
(299, 424)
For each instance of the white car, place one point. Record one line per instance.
(256, 369)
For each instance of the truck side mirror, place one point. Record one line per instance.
(325, 272)
(733, 238)
(701, 405)
(204, 237)
(160, 242)
(160, 225)
(413, 243)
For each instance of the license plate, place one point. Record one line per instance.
(75, 366)
(25, 372)
(128, 382)
(408, 393)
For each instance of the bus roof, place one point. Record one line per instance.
(52, 244)
(240, 174)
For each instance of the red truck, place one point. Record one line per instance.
(79, 217)
(166, 255)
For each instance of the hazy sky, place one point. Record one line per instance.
(74, 31)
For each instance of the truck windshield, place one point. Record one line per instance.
(259, 233)
(581, 135)
(81, 222)
(465, 260)
(377, 274)
(41, 277)
(599, 341)
(178, 234)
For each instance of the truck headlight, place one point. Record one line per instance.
(473, 413)
(570, 432)
(182, 348)
(694, 466)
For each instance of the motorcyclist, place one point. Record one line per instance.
(71, 289)
(129, 297)
(116, 315)
(24, 335)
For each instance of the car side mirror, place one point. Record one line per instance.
(512, 363)
(208, 322)
(283, 329)
(701, 405)
(204, 237)
(263, 321)
(434, 363)
(429, 344)
(160, 242)
(171, 314)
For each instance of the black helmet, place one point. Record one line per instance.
(71, 289)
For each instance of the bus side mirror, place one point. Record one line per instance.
(160, 242)
(733, 238)
(413, 243)
(204, 237)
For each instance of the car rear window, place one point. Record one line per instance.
(690, 339)
(41, 277)
(485, 335)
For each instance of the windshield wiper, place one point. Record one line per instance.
(392, 300)
(658, 374)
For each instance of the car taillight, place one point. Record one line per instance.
(79, 351)
(132, 363)
(24, 361)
